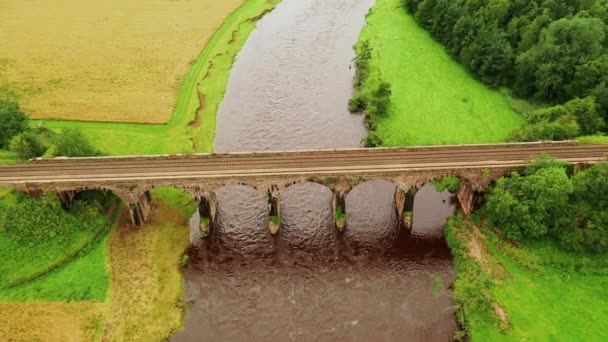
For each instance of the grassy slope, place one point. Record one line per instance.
(435, 100)
(83, 279)
(542, 301)
(207, 79)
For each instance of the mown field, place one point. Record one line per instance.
(192, 127)
(434, 99)
(103, 61)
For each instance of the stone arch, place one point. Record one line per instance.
(372, 221)
(308, 218)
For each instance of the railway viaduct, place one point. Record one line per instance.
(132, 178)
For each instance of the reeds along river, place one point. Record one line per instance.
(288, 90)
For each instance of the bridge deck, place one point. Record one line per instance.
(236, 165)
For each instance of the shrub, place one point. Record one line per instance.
(72, 143)
(357, 103)
(27, 145)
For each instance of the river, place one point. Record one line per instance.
(288, 90)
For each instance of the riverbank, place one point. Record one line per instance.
(192, 126)
(130, 279)
(504, 291)
(434, 99)
(531, 291)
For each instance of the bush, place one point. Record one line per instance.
(27, 145)
(72, 143)
(363, 54)
(357, 103)
(380, 100)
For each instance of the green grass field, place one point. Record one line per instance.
(434, 99)
(546, 294)
(206, 81)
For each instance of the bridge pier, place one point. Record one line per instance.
(274, 211)
(339, 209)
(468, 197)
(207, 209)
(140, 209)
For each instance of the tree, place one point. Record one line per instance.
(12, 122)
(584, 227)
(527, 207)
(27, 145)
(564, 45)
(584, 110)
(72, 143)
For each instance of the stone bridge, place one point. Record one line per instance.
(132, 178)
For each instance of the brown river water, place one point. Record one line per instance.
(373, 282)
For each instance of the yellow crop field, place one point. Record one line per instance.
(111, 60)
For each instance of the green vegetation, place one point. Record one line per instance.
(85, 278)
(533, 291)
(551, 283)
(593, 139)
(26, 143)
(452, 184)
(561, 122)
(549, 51)
(545, 202)
(192, 126)
(340, 214)
(433, 99)
(275, 219)
(176, 199)
(44, 247)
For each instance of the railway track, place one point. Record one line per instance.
(288, 163)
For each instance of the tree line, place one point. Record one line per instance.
(17, 135)
(553, 51)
